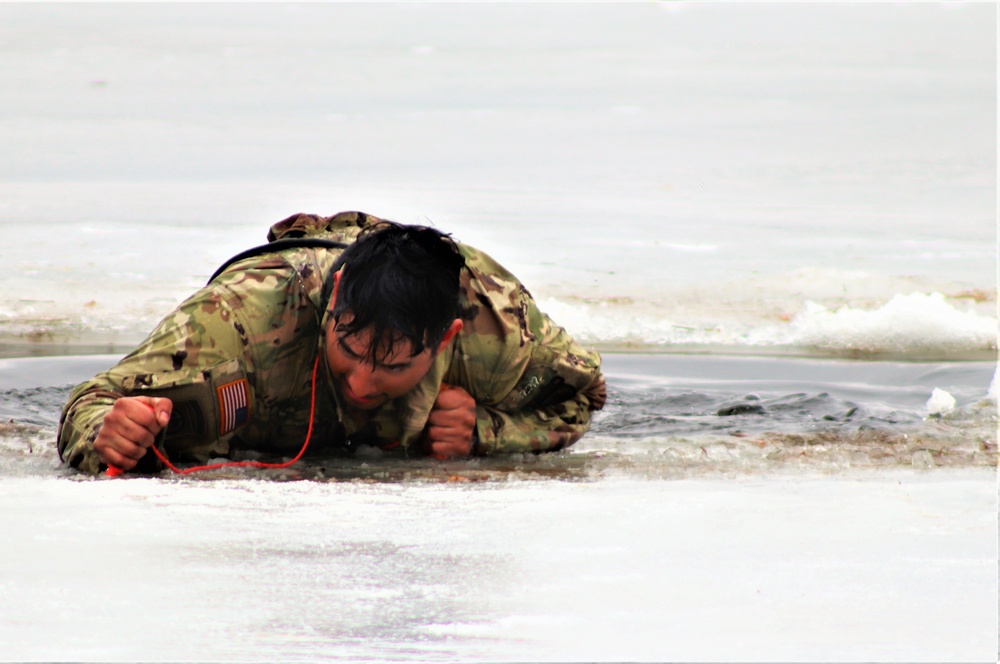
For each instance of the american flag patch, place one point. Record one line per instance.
(234, 405)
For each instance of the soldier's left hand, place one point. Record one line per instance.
(451, 423)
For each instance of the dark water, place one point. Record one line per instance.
(684, 395)
(667, 415)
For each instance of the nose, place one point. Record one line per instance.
(361, 380)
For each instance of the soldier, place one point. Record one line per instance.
(405, 338)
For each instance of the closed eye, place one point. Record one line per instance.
(397, 367)
(347, 350)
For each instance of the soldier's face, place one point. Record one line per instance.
(367, 386)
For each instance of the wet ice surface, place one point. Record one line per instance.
(897, 565)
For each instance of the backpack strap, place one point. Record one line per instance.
(279, 245)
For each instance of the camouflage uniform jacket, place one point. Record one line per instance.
(236, 359)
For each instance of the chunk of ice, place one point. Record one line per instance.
(940, 403)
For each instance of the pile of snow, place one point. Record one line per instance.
(914, 324)
(906, 324)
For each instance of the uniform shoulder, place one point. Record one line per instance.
(274, 278)
(342, 227)
(486, 270)
(494, 306)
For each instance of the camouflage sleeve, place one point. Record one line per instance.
(535, 387)
(202, 354)
(545, 429)
(188, 351)
(81, 422)
(550, 406)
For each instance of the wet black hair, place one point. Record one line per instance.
(401, 282)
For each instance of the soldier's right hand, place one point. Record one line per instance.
(130, 428)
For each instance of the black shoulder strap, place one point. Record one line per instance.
(278, 245)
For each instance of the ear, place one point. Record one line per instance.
(453, 329)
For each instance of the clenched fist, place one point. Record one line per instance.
(451, 424)
(130, 428)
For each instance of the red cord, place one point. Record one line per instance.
(113, 472)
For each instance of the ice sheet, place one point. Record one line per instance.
(891, 566)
